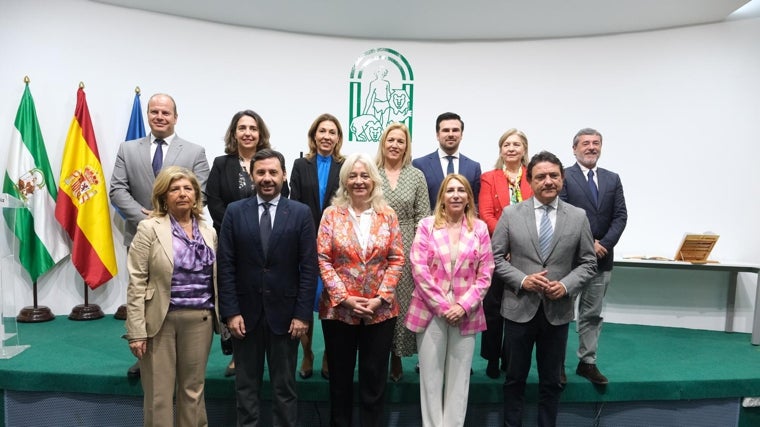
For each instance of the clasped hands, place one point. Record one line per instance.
(236, 325)
(454, 315)
(362, 307)
(537, 282)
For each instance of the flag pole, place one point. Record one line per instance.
(86, 311)
(35, 313)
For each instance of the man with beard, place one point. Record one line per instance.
(267, 263)
(544, 253)
(447, 159)
(600, 193)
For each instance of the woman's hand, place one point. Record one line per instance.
(138, 348)
(360, 306)
(454, 315)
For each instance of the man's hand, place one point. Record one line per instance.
(555, 290)
(236, 325)
(600, 250)
(536, 282)
(298, 328)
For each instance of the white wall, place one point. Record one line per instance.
(679, 110)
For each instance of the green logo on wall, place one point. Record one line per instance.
(381, 92)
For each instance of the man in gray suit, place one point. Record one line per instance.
(139, 161)
(544, 253)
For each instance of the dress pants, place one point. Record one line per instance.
(281, 353)
(492, 340)
(550, 342)
(589, 326)
(373, 344)
(445, 357)
(176, 358)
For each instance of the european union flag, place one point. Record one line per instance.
(136, 129)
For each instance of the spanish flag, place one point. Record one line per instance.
(82, 204)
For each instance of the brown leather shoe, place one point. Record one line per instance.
(591, 373)
(562, 377)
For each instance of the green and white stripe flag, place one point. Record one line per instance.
(28, 177)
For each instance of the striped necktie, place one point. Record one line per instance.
(545, 232)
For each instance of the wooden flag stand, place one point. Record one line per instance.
(86, 311)
(35, 313)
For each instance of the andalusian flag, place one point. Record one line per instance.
(28, 178)
(82, 207)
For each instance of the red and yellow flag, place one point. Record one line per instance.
(82, 204)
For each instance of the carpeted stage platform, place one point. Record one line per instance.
(74, 374)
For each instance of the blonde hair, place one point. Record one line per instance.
(504, 136)
(380, 157)
(376, 198)
(161, 186)
(439, 213)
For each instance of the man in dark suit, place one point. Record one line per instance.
(267, 263)
(600, 193)
(138, 163)
(447, 159)
(544, 253)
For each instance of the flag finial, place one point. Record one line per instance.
(81, 85)
(137, 90)
(26, 79)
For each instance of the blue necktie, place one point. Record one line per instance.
(450, 167)
(592, 187)
(158, 156)
(545, 232)
(265, 226)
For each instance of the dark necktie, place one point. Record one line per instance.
(265, 226)
(158, 156)
(450, 167)
(592, 187)
(545, 232)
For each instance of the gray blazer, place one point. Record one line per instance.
(571, 260)
(132, 179)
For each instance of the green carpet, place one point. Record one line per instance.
(643, 363)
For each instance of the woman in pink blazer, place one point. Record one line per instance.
(452, 265)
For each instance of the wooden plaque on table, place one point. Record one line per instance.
(695, 248)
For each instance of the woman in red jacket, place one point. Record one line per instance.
(505, 185)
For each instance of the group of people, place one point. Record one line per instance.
(397, 256)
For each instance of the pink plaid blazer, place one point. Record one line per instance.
(431, 267)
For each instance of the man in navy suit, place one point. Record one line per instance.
(447, 158)
(600, 193)
(267, 263)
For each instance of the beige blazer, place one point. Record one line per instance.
(150, 262)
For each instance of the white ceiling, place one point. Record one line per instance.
(453, 19)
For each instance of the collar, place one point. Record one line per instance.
(273, 202)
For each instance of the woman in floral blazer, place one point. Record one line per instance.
(360, 259)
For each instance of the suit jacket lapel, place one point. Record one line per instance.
(332, 183)
(164, 235)
(467, 240)
(280, 218)
(559, 225)
(530, 223)
(147, 161)
(435, 164)
(174, 149)
(311, 176)
(582, 182)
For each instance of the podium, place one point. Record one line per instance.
(9, 272)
